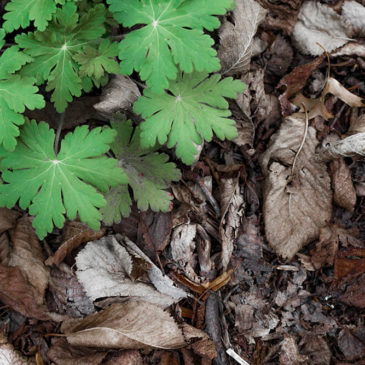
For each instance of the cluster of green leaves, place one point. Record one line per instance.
(71, 51)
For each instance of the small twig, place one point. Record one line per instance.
(58, 133)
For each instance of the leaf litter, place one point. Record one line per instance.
(260, 249)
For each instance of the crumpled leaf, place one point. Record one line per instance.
(27, 255)
(61, 353)
(105, 268)
(235, 48)
(118, 95)
(9, 356)
(148, 174)
(295, 81)
(344, 193)
(16, 292)
(317, 106)
(347, 147)
(183, 242)
(319, 23)
(233, 208)
(297, 200)
(68, 294)
(128, 325)
(80, 233)
(282, 15)
(289, 353)
(351, 345)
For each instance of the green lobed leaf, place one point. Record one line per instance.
(148, 173)
(97, 62)
(54, 50)
(193, 107)
(16, 93)
(172, 35)
(19, 14)
(67, 183)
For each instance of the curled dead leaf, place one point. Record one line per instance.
(344, 193)
(295, 81)
(27, 255)
(235, 49)
(297, 199)
(317, 106)
(129, 325)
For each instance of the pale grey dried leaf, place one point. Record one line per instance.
(104, 268)
(297, 202)
(319, 23)
(347, 147)
(128, 325)
(118, 95)
(183, 242)
(161, 281)
(354, 16)
(27, 255)
(233, 207)
(235, 49)
(350, 49)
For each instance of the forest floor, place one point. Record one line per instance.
(261, 259)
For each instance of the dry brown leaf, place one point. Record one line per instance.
(233, 208)
(347, 147)
(295, 81)
(9, 356)
(344, 193)
(16, 292)
(7, 219)
(105, 268)
(297, 201)
(282, 15)
(358, 126)
(69, 295)
(317, 106)
(235, 49)
(61, 353)
(200, 342)
(320, 24)
(128, 325)
(316, 349)
(289, 353)
(350, 49)
(128, 357)
(351, 345)
(81, 233)
(118, 95)
(27, 255)
(183, 242)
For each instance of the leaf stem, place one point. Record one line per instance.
(58, 133)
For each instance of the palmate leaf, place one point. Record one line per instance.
(148, 174)
(16, 93)
(55, 51)
(19, 13)
(172, 35)
(192, 108)
(67, 183)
